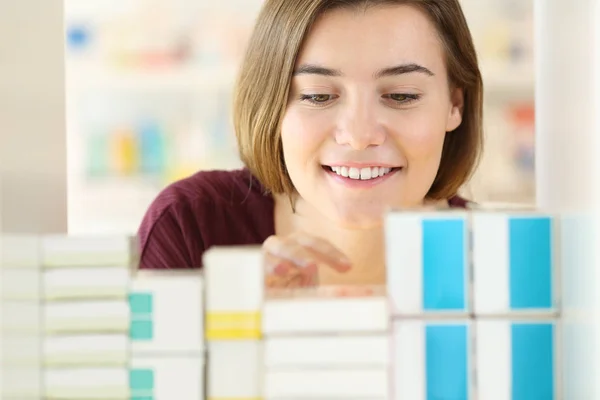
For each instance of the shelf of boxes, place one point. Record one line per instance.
(471, 309)
(82, 324)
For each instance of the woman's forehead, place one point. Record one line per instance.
(379, 37)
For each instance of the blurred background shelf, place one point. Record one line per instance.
(508, 81)
(178, 79)
(149, 86)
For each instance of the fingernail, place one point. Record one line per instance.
(345, 261)
(345, 267)
(345, 264)
(281, 270)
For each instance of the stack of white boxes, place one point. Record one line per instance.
(68, 299)
(21, 332)
(168, 353)
(474, 305)
(84, 325)
(234, 299)
(85, 316)
(516, 305)
(296, 344)
(428, 286)
(321, 346)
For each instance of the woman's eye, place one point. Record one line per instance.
(403, 97)
(317, 98)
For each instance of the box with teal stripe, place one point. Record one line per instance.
(427, 256)
(166, 378)
(156, 303)
(518, 359)
(141, 383)
(514, 263)
(472, 359)
(433, 359)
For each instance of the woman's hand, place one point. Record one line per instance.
(293, 261)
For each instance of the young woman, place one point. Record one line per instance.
(343, 110)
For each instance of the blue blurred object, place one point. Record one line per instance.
(78, 36)
(152, 148)
(525, 158)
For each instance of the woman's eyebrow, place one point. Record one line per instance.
(313, 69)
(403, 69)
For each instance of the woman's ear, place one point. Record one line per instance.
(457, 104)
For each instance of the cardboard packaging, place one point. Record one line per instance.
(427, 255)
(515, 264)
(234, 296)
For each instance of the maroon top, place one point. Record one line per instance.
(210, 208)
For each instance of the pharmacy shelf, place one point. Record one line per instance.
(109, 206)
(508, 80)
(187, 79)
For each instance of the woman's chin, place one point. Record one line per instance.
(359, 221)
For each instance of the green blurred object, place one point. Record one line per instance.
(98, 151)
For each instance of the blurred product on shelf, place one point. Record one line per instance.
(156, 34)
(124, 152)
(502, 29)
(152, 147)
(155, 136)
(522, 117)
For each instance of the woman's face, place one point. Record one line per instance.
(368, 111)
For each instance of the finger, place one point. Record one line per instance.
(307, 251)
(289, 249)
(301, 277)
(311, 276)
(292, 280)
(284, 273)
(332, 255)
(277, 266)
(296, 281)
(279, 271)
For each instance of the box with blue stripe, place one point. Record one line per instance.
(433, 360)
(166, 378)
(428, 262)
(517, 360)
(167, 313)
(514, 263)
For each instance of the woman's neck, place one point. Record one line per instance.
(364, 247)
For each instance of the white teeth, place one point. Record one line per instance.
(365, 173)
(361, 173)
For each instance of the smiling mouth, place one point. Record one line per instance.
(361, 174)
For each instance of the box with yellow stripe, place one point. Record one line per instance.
(234, 298)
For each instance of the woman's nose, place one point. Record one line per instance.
(359, 127)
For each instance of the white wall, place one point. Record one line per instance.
(33, 195)
(567, 176)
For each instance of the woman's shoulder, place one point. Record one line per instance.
(212, 186)
(217, 207)
(460, 202)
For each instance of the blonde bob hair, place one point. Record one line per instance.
(261, 92)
